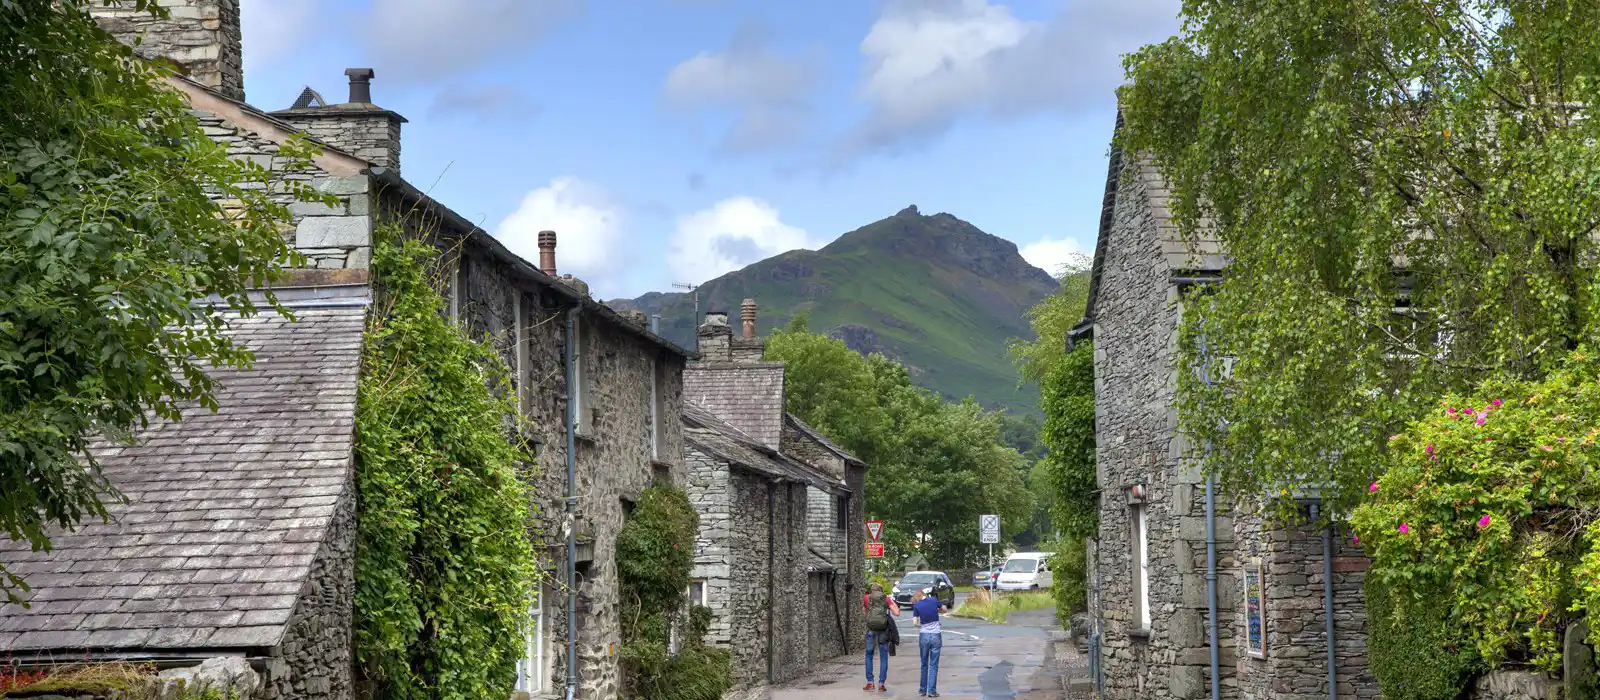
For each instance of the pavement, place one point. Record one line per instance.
(1028, 658)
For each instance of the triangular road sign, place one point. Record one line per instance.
(875, 529)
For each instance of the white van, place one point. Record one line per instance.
(1025, 571)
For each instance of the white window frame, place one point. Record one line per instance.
(1141, 563)
(532, 669)
(519, 330)
(579, 425)
(705, 589)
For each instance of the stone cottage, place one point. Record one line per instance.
(1153, 629)
(236, 538)
(779, 557)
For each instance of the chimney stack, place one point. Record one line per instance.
(747, 315)
(547, 252)
(357, 127)
(202, 37)
(715, 338)
(360, 85)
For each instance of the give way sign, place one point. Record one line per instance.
(875, 529)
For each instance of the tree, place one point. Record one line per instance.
(110, 241)
(1406, 195)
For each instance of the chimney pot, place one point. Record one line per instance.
(716, 318)
(360, 85)
(747, 315)
(547, 252)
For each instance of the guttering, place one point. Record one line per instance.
(568, 341)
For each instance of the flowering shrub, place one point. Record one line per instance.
(1489, 504)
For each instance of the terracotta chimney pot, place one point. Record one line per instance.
(747, 314)
(547, 252)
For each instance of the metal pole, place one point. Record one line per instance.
(1327, 602)
(1211, 546)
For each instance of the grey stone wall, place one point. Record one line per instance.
(331, 237)
(316, 653)
(614, 459)
(749, 595)
(708, 487)
(364, 131)
(1296, 666)
(201, 36)
(1135, 422)
(854, 582)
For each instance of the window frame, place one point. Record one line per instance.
(533, 672)
(655, 409)
(841, 516)
(1139, 540)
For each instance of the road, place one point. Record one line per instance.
(1015, 661)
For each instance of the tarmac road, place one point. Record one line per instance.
(1020, 660)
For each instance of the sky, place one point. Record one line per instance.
(672, 141)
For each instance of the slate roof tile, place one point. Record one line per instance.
(748, 396)
(225, 510)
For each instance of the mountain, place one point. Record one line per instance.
(934, 292)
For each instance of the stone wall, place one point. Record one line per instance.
(364, 131)
(1136, 318)
(316, 656)
(822, 532)
(201, 36)
(338, 236)
(749, 601)
(1296, 667)
(854, 582)
(615, 461)
(708, 486)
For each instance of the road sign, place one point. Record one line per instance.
(874, 550)
(875, 529)
(988, 529)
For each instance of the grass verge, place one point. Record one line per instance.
(997, 607)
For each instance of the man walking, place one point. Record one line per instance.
(881, 611)
(930, 641)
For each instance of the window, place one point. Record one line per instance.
(696, 593)
(1020, 566)
(582, 411)
(531, 668)
(1141, 565)
(520, 341)
(841, 514)
(455, 290)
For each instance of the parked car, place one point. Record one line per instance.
(1025, 571)
(986, 579)
(935, 583)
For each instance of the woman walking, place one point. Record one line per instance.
(881, 612)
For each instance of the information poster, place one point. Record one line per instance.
(1254, 612)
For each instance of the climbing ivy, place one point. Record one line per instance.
(1487, 509)
(444, 569)
(1418, 651)
(655, 552)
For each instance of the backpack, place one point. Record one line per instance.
(877, 612)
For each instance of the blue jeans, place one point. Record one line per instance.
(883, 658)
(929, 644)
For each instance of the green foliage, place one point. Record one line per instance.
(1069, 570)
(1487, 507)
(997, 607)
(1327, 146)
(936, 466)
(1417, 651)
(655, 552)
(937, 294)
(444, 567)
(110, 239)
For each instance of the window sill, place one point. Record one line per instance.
(585, 436)
(1141, 634)
(663, 465)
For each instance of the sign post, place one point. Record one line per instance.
(989, 533)
(875, 547)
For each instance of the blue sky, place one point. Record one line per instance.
(675, 140)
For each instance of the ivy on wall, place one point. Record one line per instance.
(1066, 393)
(1487, 510)
(655, 552)
(444, 575)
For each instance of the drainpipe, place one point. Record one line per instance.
(572, 506)
(1327, 601)
(1211, 583)
(772, 546)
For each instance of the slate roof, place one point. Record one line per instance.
(748, 396)
(704, 430)
(225, 510)
(821, 439)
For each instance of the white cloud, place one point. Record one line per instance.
(1054, 255)
(275, 28)
(769, 93)
(931, 62)
(422, 41)
(588, 222)
(727, 236)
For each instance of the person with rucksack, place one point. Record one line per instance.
(881, 611)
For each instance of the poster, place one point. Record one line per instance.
(1255, 634)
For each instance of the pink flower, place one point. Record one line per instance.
(1482, 419)
(1404, 528)
(1450, 411)
(1355, 539)
(1484, 521)
(1373, 488)
(1392, 438)
(1430, 449)
(1497, 403)
(1546, 448)
(1561, 439)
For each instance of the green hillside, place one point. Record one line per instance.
(934, 292)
